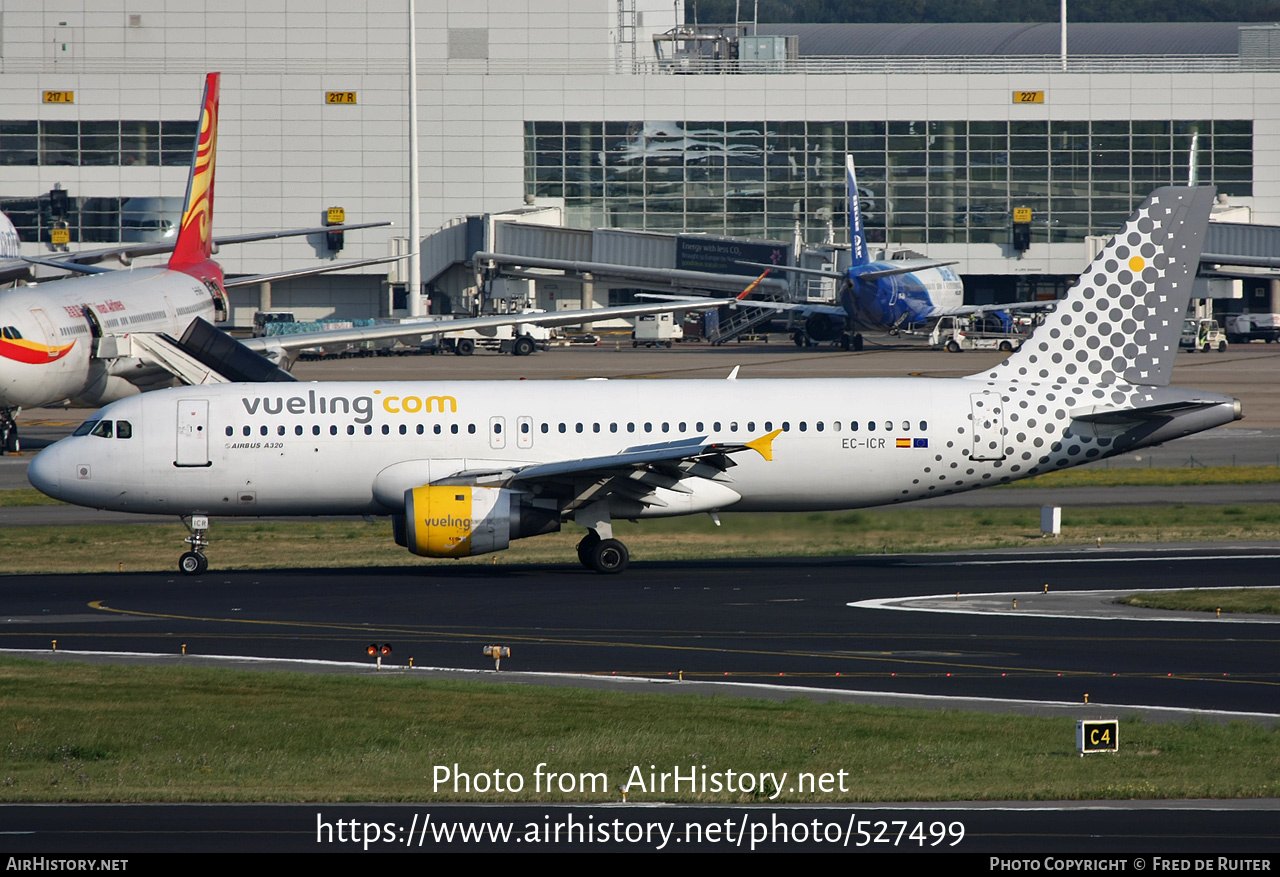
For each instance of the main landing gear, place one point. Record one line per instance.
(9, 443)
(193, 562)
(603, 555)
(598, 550)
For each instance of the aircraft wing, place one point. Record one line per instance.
(80, 262)
(423, 328)
(14, 269)
(255, 279)
(815, 272)
(633, 473)
(971, 310)
(781, 306)
(862, 275)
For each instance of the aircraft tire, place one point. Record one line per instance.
(524, 346)
(192, 564)
(586, 547)
(857, 342)
(12, 444)
(610, 557)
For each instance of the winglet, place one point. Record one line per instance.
(751, 288)
(195, 235)
(764, 445)
(733, 375)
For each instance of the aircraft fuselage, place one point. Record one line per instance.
(900, 299)
(355, 448)
(50, 331)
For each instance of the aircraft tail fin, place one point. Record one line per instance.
(195, 234)
(1121, 320)
(857, 236)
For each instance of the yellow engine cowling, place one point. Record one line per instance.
(445, 521)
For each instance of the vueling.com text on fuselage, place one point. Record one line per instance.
(360, 406)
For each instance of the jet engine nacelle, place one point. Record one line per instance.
(823, 327)
(460, 521)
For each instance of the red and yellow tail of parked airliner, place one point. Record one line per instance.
(195, 235)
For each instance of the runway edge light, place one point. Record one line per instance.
(1097, 735)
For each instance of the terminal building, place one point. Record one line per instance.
(615, 114)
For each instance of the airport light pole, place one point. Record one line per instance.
(413, 293)
(1062, 16)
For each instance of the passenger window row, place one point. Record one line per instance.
(699, 427)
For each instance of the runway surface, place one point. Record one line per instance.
(770, 628)
(784, 622)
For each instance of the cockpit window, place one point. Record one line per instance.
(124, 429)
(103, 429)
(85, 428)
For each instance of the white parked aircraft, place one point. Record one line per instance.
(463, 468)
(93, 339)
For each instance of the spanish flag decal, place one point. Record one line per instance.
(904, 442)
(22, 350)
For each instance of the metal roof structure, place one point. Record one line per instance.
(995, 39)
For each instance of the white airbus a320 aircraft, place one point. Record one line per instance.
(463, 468)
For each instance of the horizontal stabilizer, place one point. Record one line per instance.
(1138, 415)
(906, 269)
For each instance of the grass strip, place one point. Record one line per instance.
(1156, 477)
(276, 545)
(80, 732)
(1260, 601)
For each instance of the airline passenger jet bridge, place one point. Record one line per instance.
(463, 468)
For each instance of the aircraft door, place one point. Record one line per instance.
(95, 327)
(524, 432)
(497, 433)
(50, 334)
(987, 415)
(221, 307)
(193, 433)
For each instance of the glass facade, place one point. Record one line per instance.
(920, 182)
(96, 220)
(95, 144)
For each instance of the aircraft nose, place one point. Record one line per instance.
(45, 471)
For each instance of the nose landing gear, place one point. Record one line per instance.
(193, 562)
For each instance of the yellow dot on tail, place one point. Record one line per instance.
(1136, 264)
